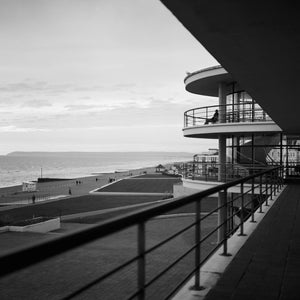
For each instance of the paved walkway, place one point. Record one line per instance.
(268, 265)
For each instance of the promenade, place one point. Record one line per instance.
(59, 276)
(268, 265)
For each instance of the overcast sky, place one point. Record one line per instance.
(96, 75)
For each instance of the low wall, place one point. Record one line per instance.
(42, 227)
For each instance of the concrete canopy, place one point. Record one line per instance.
(258, 43)
(206, 82)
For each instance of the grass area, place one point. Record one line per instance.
(142, 186)
(57, 277)
(72, 206)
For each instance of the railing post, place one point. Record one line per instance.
(267, 190)
(223, 217)
(141, 261)
(252, 201)
(193, 117)
(271, 186)
(242, 211)
(278, 180)
(260, 194)
(198, 247)
(274, 183)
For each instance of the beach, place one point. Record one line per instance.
(58, 189)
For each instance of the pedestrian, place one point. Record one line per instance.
(70, 192)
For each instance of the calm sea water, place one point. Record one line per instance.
(18, 168)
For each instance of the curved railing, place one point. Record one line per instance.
(211, 171)
(233, 113)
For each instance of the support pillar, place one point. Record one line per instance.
(222, 154)
(222, 102)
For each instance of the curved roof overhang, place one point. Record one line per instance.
(258, 43)
(206, 82)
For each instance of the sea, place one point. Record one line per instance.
(18, 167)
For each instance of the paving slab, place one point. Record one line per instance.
(268, 265)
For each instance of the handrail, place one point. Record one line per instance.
(247, 111)
(210, 171)
(26, 256)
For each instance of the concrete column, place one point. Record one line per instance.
(222, 158)
(222, 102)
(222, 155)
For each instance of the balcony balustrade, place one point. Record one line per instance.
(233, 113)
(210, 171)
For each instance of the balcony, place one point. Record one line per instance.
(148, 276)
(244, 117)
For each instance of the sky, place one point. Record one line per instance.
(96, 75)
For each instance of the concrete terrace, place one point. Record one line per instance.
(57, 277)
(268, 265)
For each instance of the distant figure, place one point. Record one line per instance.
(33, 199)
(214, 119)
(70, 191)
(96, 179)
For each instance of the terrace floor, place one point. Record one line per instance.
(268, 265)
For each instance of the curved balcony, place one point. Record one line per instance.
(244, 117)
(206, 81)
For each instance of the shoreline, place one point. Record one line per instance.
(77, 186)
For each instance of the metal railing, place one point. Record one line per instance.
(234, 113)
(233, 210)
(212, 171)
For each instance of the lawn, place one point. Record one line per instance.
(153, 185)
(73, 206)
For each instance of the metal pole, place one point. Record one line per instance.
(271, 186)
(267, 189)
(224, 221)
(231, 213)
(281, 176)
(278, 179)
(252, 201)
(141, 261)
(198, 246)
(193, 117)
(242, 211)
(260, 194)
(286, 158)
(281, 148)
(274, 182)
